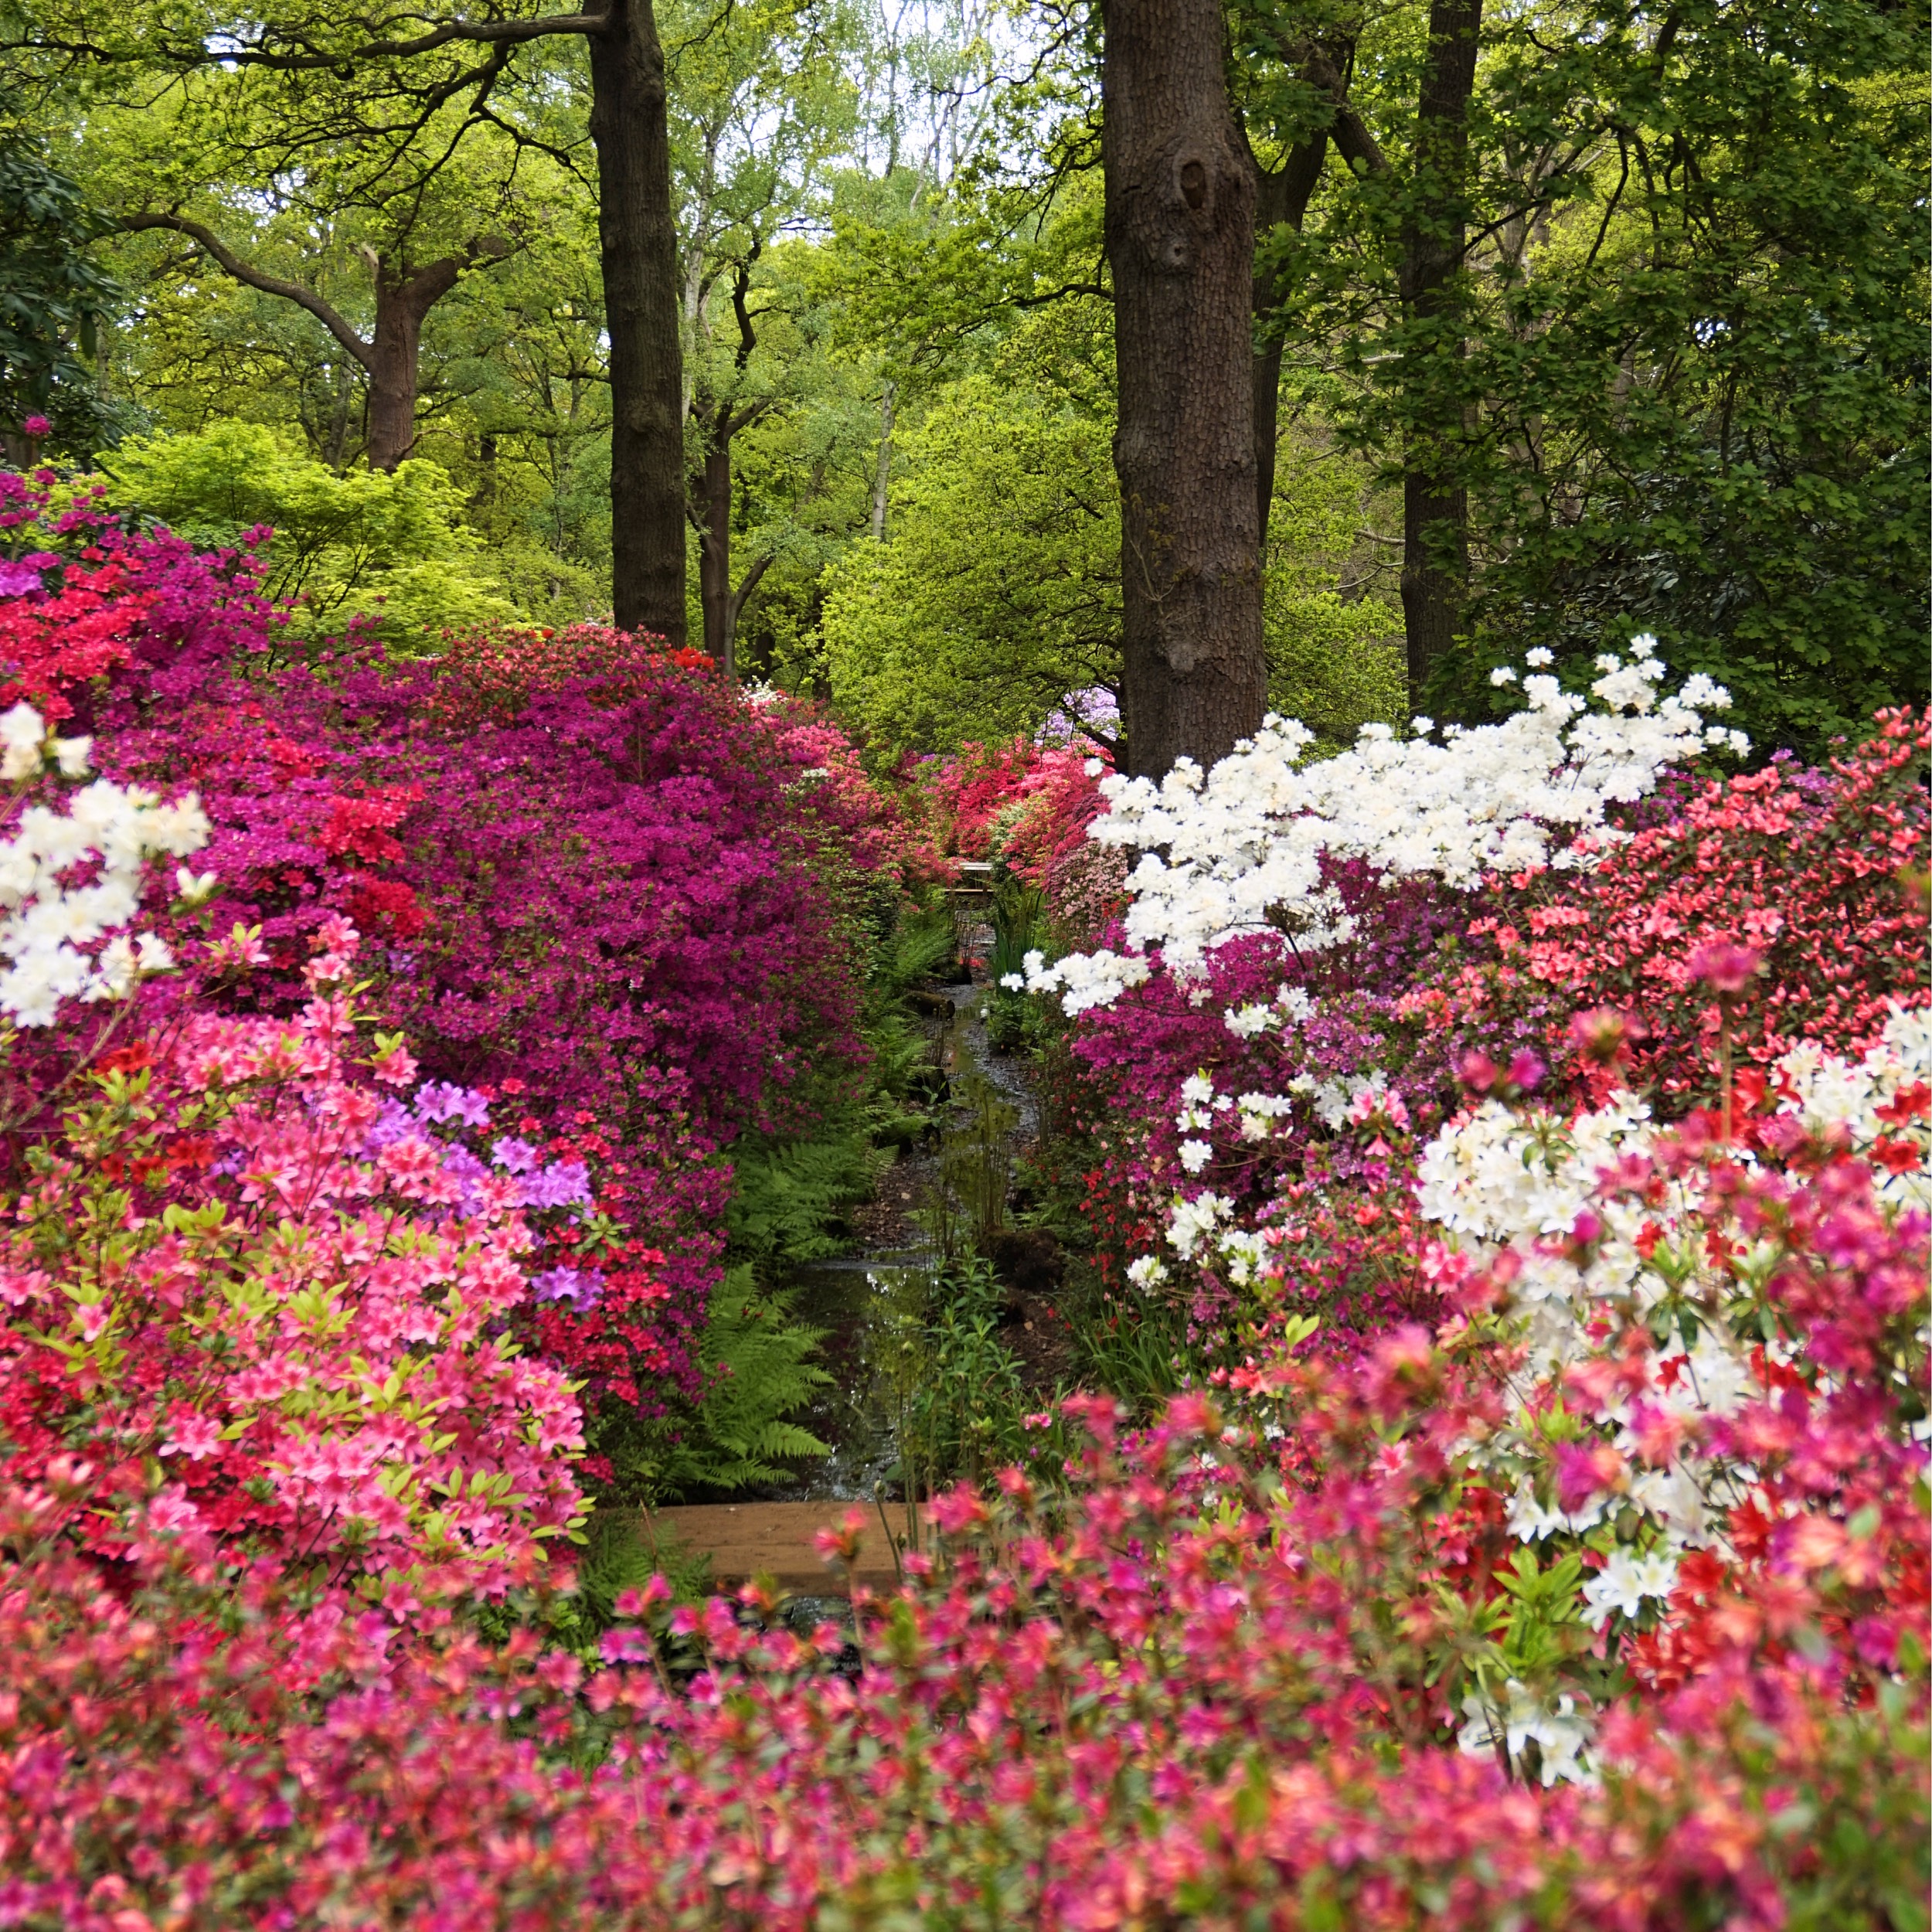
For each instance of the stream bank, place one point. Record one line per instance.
(941, 1298)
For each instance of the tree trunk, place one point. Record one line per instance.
(638, 239)
(337, 451)
(1435, 505)
(1180, 241)
(395, 353)
(1281, 200)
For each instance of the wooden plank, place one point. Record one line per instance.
(747, 1539)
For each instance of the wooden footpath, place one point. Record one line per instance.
(774, 1539)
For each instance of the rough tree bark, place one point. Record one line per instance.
(391, 357)
(1180, 241)
(638, 237)
(403, 299)
(1435, 506)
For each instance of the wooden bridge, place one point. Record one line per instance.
(774, 1539)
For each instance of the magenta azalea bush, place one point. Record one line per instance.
(596, 891)
(1278, 1660)
(1545, 1540)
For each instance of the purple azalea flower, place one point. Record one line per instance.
(20, 579)
(518, 1156)
(562, 1184)
(438, 1100)
(469, 1173)
(393, 1123)
(572, 1285)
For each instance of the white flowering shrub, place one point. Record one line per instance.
(1238, 851)
(70, 881)
(1589, 1261)
(1596, 1239)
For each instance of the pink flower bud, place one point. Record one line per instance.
(1526, 1069)
(1477, 1072)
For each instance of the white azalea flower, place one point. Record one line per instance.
(1624, 1583)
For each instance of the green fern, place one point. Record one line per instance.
(623, 1548)
(758, 1369)
(791, 1194)
(922, 941)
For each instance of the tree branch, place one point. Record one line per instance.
(485, 33)
(1065, 288)
(232, 264)
(751, 583)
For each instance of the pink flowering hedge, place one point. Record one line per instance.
(243, 1287)
(1548, 1547)
(1029, 805)
(1205, 1683)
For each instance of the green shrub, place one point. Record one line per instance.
(967, 1413)
(389, 549)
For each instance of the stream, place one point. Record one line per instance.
(872, 1306)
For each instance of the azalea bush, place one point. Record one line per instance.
(1322, 963)
(600, 894)
(1527, 1135)
(1289, 1658)
(242, 1286)
(1027, 805)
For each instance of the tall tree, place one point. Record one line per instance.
(337, 62)
(637, 226)
(763, 105)
(1180, 192)
(390, 354)
(1429, 202)
(1631, 308)
(1288, 107)
(720, 417)
(1435, 500)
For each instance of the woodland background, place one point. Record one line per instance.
(1677, 377)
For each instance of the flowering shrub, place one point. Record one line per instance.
(107, 833)
(1548, 1546)
(81, 597)
(595, 883)
(1030, 804)
(1803, 867)
(1314, 949)
(1280, 1661)
(237, 1274)
(1250, 847)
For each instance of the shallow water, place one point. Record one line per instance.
(871, 1307)
(865, 1310)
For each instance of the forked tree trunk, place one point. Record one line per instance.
(723, 605)
(1180, 241)
(395, 355)
(1435, 505)
(638, 242)
(390, 359)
